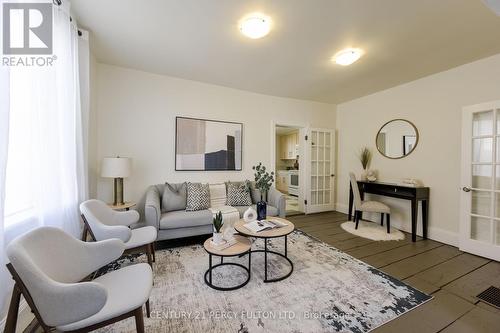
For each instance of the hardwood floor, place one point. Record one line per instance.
(453, 277)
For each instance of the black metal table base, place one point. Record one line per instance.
(208, 273)
(285, 255)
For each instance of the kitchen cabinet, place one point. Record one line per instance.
(289, 146)
(282, 181)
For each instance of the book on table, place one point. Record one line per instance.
(226, 243)
(258, 226)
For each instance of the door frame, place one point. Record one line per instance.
(302, 127)
(466, 243)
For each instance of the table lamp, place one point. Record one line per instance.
(117, 168)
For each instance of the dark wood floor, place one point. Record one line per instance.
(453, 277)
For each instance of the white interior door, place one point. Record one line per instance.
(319, 173)
(480, 202)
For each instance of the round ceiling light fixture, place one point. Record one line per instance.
(347, 56)
(255, 25)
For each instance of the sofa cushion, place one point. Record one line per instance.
(271, 210)
(198, 196)
(174, 197)
(184, 219)
(238, 194)
(217, 195)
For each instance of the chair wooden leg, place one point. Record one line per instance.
(139, 320)
(357, 214)
(148, 309)
(153, 245)
(148, 254)
(84, 232)
(382, 219)
(388, 223)
(11, 322)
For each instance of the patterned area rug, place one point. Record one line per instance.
(329, 291)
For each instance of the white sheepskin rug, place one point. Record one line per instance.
(373, 231)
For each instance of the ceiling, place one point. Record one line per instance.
(199, 40)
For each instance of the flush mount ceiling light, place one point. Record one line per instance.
(347, 56)
(255, 25)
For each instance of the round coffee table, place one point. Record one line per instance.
(267, 234)
(241, 248)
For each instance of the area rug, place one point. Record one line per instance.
(329, 291)
(373, 231)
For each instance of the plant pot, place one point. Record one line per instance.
(217, 237)
(364, 175)
(261, 210)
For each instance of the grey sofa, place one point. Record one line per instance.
(182, 223)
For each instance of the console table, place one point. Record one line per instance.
(414, 194)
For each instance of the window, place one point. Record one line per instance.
(19, 199)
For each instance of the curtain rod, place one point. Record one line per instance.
(58, 3)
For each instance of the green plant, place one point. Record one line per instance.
(263, 179)
(365, 157)
(218, 221)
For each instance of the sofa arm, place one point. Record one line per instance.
(278, 200)
(152, 209)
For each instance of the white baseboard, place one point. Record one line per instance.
(24, 318)
(437, 234)
(340, 207)
(443, 236)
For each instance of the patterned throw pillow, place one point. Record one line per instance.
(238, 194)
(198, 196)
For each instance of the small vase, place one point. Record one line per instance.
(217, 237)
(261, 210)
(364, 175)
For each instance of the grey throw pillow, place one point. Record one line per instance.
(174, 197)
(198, 196)
(255, 193)
(238, 194)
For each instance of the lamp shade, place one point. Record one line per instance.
(116, 167)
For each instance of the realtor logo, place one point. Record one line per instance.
(27, 28)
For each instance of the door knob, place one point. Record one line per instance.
(466, 189)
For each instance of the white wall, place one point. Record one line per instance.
(136, 117)
(434, 104)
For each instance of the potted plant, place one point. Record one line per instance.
(263, 182)
(365, 157)
(218, 223)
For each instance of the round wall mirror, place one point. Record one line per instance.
(397, 138)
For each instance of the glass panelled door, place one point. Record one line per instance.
(320, 177)
(480, 220)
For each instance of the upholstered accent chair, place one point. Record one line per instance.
(51, 269)
(102, 223)
(368, 206)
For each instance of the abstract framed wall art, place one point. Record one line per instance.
(207, 145)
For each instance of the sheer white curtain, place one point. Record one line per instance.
(57, 133)
(5, 282)
(45, 167)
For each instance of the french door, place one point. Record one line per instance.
(480, 201)
(320, 145)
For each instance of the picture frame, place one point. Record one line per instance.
(208, 145)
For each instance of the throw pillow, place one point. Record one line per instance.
(217, 195)
(238, 194)
(174, 197)
(198, 196)
(255, 193)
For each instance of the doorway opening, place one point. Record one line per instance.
(288, 160)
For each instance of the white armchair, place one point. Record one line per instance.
(102, 223)
(48, 267)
